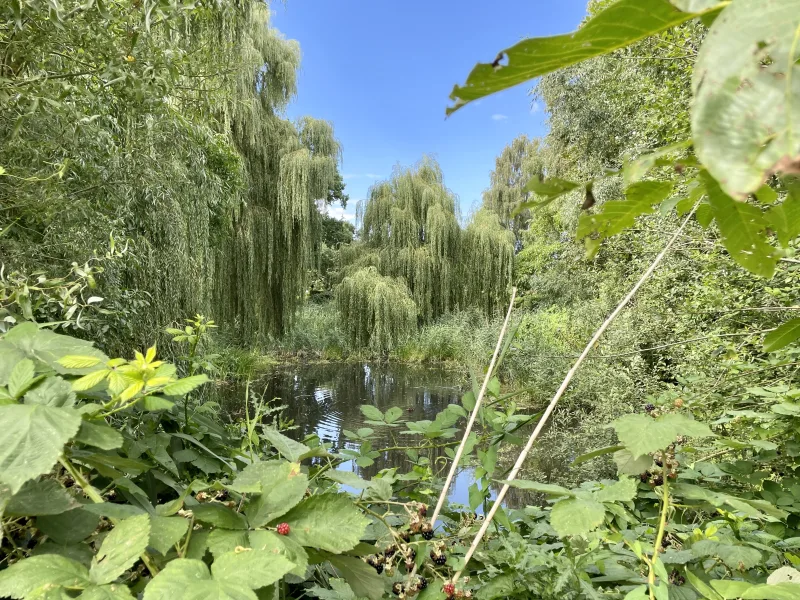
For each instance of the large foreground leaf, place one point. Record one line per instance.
(784, 335)
(21, 578)
(328, 521)
(278, 486)
(642, 434)
(121, 548)
(576, 516)
(38, 498)
(746, 112)
(32, 437)
(619, 25)
(742, 227)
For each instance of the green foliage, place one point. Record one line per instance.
(376, 311)
(621, 24)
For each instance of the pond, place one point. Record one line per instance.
(325, 399)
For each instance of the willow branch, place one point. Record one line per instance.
(563, 388)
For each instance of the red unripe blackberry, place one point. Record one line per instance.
(283, 528)
(449, 590)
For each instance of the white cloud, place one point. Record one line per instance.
(499, 117)
(360, 176)
(343, 214)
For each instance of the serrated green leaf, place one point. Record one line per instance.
(185, 385)
(328, 521)
(190, 578)
(735, 556)
(253, 568)
(347, 478)
(787, 333)
(120, 549)
(273, 543)
(87, 382)
(99, 435)
(219, 516)
(642, 434)
(78, 362)
(636, 169)
(576, 516)
(362, 578)
(53, 391)
(784, 218)
(221, 541)
(543, 488)
(623, 490)
(107, 592)
(165, 532)
(340, 590)
(282, 485)
(619, 25)
(70, 527)
(39, 498)
(23, 577)
(287, 447)
(742, 227)
(21, 377)
(617, 215)
(32, 438)
(628, 464)
(154, 403)
(370, 412)
(746, 88)
(393, 414)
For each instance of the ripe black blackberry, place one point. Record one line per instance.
(405, 536)
(659, 462)
(422, 583)
(389, 552)
(439, 558)
(412, 554)
(379, 569)
(645, 477)
(649, 407)
(398, 588)
(658, 480)
(665, 542)
(427, 531)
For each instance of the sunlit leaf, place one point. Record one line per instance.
(120, 549)
(576, 516)
(787, 333)
(746, 105)
(619, 25)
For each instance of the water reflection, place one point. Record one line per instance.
(325, 399)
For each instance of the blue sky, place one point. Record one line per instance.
(382, 71)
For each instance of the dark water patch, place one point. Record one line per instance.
(325, 399)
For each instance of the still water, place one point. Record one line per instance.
(325, 399)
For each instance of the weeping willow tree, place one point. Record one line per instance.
(376, 311)
(171, 137)
(517, 164)
(488, 264)
(410, 231)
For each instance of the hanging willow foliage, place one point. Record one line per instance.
(520, 161)
(172, 137)
(376, 311)
(410, 230)
(488, 262)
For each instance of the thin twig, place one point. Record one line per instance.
(563, 388)
(472, 417)
(475, 409)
